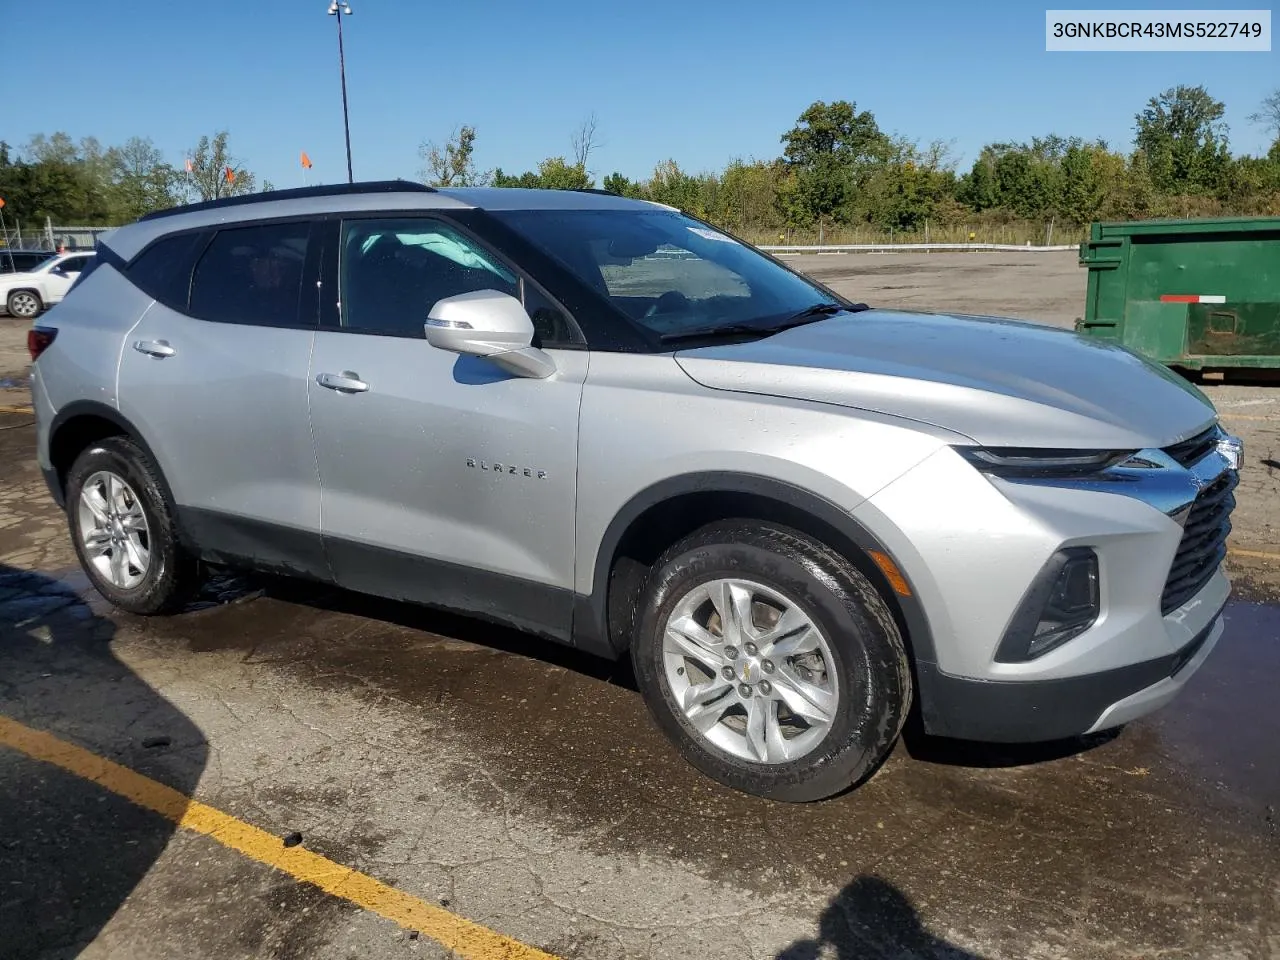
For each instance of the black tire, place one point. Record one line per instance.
(870, 655)
(16, 301)
(173, 575)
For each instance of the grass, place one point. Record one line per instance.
(1019, 233)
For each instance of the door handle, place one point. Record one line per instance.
(344, 382)
(154, 348)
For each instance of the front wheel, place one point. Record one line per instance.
(24, 304)
(124, 532)
(771, 661)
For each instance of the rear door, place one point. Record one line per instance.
(214, 376)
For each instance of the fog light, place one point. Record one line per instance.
(1061, 604)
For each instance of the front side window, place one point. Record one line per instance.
(393, 272)
(666, 271)
(251, 275)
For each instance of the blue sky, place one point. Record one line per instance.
(700, 80)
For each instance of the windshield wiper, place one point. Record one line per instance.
(810, 314)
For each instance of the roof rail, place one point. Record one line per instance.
(296, 193)
(607, 193)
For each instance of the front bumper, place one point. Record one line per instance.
(971, 548)
(1034, 711)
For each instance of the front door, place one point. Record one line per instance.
(60, 278)
(444, 479)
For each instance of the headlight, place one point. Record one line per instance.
(1040, 462)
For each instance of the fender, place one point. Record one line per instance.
(591, 615)
(103, 411)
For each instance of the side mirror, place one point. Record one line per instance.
(489, 324)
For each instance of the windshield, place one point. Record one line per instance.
(666, 271)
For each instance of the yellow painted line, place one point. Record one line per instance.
(1252, 554)
(462, 936)
(5, 409)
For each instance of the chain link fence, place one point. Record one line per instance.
(51, 238)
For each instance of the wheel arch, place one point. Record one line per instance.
(81, 423)
(44, 302)
(661, 514)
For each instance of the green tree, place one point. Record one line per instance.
(672, 186)
(207, 179)
(1267, 115)
(905, 190)
(142, 180)
(453, 164)
(1184, 137)
(830, 151)
(623, 187)
(554, 173)
(748, 195)
(1083, 189)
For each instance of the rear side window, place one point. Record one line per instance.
(163, 270)
(251, 275)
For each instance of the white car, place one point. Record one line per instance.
(28, 293)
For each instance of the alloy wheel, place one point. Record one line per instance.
(24, 305)
(750, 671)
(114, 530)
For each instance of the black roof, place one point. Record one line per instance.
(297, 193)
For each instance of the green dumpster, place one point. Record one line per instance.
(1197, 294)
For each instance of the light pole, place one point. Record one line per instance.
(337, 10)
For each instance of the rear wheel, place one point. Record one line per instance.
(24, 304)
(123, 529)
(771, 661)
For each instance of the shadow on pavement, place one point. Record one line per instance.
(919, 745)
(872, 917)
(71, 852)
(976, 754)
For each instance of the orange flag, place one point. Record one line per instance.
(190, 168)
(306, 161)
(231, 175)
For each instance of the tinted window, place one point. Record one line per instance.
(251, 275)
(394, 271)
(21, 262)
(163, 270)
(89, 266)
(73, 264)
(665, 270)
(550, 324)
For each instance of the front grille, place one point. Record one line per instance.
(1204, 542)
(1191, 451)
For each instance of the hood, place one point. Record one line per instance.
(1002, 383)
(21, 276)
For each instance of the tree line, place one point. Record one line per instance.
(838, 172)
(85, 183)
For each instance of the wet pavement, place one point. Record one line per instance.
(522, 785)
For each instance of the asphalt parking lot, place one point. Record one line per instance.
(452, 783)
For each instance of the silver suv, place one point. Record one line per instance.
(612, 425)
